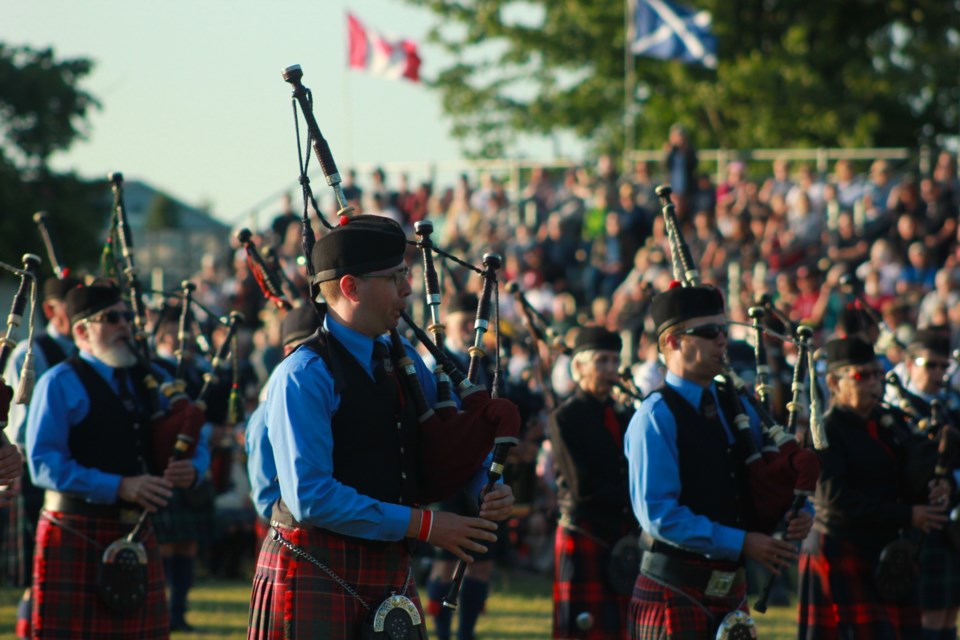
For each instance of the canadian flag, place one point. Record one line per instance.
(370, 51)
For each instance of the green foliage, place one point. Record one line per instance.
(791, 73)
(162, 214)
(43, 110)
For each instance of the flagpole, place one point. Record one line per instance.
(629, 85)
(347, 121)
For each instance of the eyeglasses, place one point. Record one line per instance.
(398, 276)
(707, 331)
(113, 317)
(932, 364)
(865, 375)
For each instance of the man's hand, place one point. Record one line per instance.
(460, 535)
(927, 518)
(798, 525)
(150, 492)
(773, 554)
(939, 492)
(180, 473)
(497, 504)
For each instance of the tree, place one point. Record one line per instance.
(44, 110)
(162, 214)
(790, 73)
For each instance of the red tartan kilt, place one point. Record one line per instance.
(293, 598)
(838, 598)
(580, 586)
(657, 612)
(65, 566)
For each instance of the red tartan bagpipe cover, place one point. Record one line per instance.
(779, 478)
(183, 422)
(454, 445)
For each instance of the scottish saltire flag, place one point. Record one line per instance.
(371, 51)
(670, 32)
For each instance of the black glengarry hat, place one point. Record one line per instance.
(299, 323)
(55, 288)
(364, 244)
(463, 303)
(678, 304)
(83, 302)
(849, 351)
(931, 339)
(594, 338)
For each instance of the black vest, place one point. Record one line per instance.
(374, 445)
(52, 352)
(110, 438)
(713, 477)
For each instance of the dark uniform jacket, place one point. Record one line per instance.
(861, 496)
(592, 483)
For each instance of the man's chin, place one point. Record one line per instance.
(117, 356)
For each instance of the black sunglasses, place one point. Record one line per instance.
(926, 363)
(707, 331)
(114, 317)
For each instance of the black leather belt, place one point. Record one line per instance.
(126, 513)
(681, 573)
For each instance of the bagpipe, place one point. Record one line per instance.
(26, 290)
(176, 429)
(453, 442)
(782, 474)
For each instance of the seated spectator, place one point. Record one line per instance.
(919, 275)
(944, 295)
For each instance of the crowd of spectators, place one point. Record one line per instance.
(587, 245)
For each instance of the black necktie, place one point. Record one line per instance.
(123, 390)
(383, 373)
(708, 406)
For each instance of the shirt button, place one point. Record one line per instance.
(401, 450)
(403, 474)
(399, 426)
(732, 475)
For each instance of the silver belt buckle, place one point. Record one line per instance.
(129, 516)
(720, 583)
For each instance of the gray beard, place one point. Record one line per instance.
(117, 355)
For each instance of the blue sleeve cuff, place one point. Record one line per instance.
(107, 491)
(729, 543)
(396, 519)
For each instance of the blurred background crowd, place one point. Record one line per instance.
(586, 245)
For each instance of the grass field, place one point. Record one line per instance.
(519, 608)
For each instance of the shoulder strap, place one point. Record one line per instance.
(319, 343)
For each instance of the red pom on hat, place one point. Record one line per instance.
(674, 284)
(344, 219)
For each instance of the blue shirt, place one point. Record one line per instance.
(298, 412)
(261, 468)
(17, 419)
(654, 471)
(60, 402)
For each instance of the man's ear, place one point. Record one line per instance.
(348, 287)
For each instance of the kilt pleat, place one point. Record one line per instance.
(580, 586)
(838, 598)
(65, 599)
(293, 598)
(658, 612)
(939, 573)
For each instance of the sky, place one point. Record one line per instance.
(193, 101)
